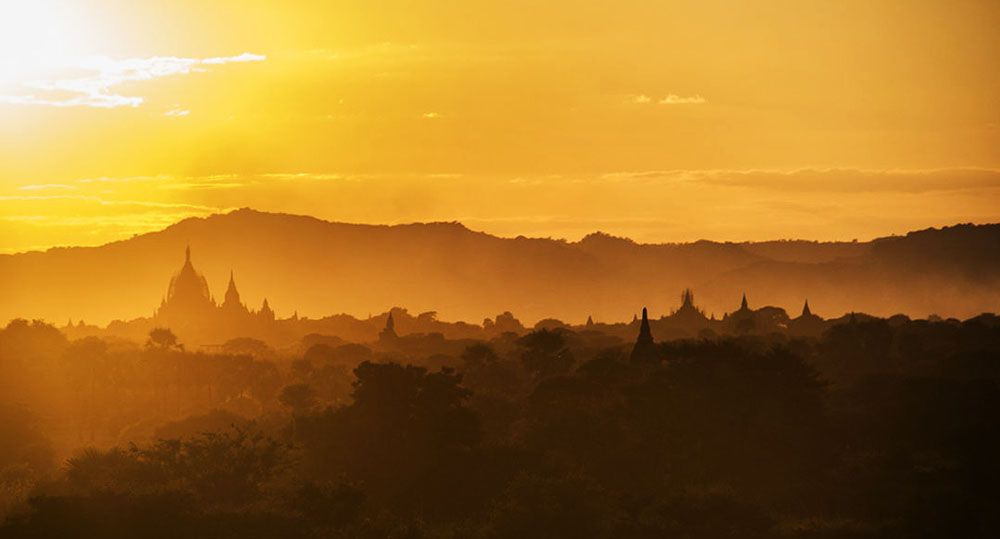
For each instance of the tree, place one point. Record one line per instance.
(298, 397)
(247, 346)
(330, 505)
(545, 353)
(408, 437)
(88, 366)
(229, 466)
(163, 339)
(479, 355)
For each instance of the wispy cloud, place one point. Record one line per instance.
(46, 186)
(669, 99)
(384, 50)
(108, 202)
(177, 113)
(196, 185)
(104, 74)
(825, 180)
(857, 181)
(674, 99)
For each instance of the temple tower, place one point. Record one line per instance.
(232, 305)
(388, 334)
(645, 348)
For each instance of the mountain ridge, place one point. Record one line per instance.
(460, 225)
(317, 267)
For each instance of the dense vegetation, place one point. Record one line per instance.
(877, 429)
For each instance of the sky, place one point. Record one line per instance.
(661, 121)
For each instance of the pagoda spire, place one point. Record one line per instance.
(687, 298)
(265, 311)
(231, 289)
(743, 305)
(645, 347)
(232, 299)
(805, 309)
(187, 254)
(389, 332)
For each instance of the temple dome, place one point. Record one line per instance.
(187, 295)
(188, 284)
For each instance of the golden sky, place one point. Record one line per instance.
(659, 120)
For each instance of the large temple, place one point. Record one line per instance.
(688, 315)
(189, 303)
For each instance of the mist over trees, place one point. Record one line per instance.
(871, 428)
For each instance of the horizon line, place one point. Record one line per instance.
(225, 212)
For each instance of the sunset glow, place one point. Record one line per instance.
(518, 269)
(661, 121)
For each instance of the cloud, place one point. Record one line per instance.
(641, 175)
(125, 179)
(381, 51)
(245, 57)
(856, 181)
(669, 99)
(108, 202)
(195, 185)
(291, 176)
(177, 113)
(790, 182)
(46, 186)
(674, 99)
(431, 115)
(103, 74)
(824, 180)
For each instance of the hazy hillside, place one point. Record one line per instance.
(317, 267)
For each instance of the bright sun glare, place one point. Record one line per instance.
(40, 35)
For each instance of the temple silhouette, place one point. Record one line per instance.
(189, 303)
(689, 322)
(191, 311)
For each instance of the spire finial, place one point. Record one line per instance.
(687, 298)
(805, 309)
(187, 253)
(743, 304)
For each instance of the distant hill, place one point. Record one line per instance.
(318, 267)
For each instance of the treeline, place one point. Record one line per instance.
(876, 429)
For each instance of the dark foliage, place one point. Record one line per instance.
(878, 428)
